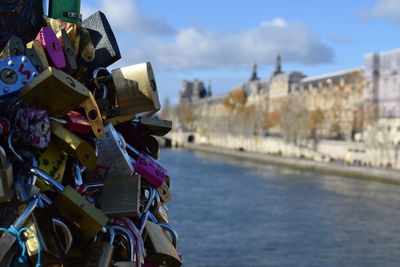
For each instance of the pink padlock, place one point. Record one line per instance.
(52, 47)
(150, 170)
(32, 126)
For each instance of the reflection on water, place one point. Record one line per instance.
(232, 212)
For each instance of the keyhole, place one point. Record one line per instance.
(153, 85)
(54, 45)
(92, 114)
(10, 74)
(17, 52)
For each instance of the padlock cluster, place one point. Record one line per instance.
(80, 184)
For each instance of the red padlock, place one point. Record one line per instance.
(4, 126)
(77, 123)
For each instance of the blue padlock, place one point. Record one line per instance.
(15, 73)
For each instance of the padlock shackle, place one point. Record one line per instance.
(102, 80)
(130, 237)
(20, 221)
(77, 175)
(172, 231)
(58, 120)
(47, 179)
(95, 185)
(111, 232)
(11, 147)
(144, 219)
(67, 233)
(152, 195)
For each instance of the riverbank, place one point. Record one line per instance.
(369, 173)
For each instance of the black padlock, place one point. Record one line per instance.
(104, 42)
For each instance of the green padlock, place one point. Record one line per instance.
(66, 10)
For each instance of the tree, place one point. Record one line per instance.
(293, 120)
(236, 99)
(315, 119)
(272, 119)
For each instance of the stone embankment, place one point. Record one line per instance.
(360, 172)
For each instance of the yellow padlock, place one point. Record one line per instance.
(53, 161)
(54, 91)
(35, 44)
(74, 145)
(135, 89)
(93, 114)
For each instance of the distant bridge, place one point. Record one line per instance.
(177, 138)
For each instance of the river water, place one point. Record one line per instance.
(232, 212)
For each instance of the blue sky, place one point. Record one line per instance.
(220, 40)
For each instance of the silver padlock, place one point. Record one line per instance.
(113, 159)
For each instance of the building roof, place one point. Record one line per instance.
(329, 75)
(215, 99)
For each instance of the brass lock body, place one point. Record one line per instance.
(93, 114)
(161, 250)
(152, 126)
(53, 84)
(136, 89)
(37, 47)
(100, 253)
(53, 161)
(68, 51)
(41, 224)
(74, 145)
(84, 218)
(120, 197)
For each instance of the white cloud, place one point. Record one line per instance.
(125, 16)
(192, 48)
(383, 9)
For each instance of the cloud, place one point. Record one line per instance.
(337, 39)
(126, 17)
(383, 9)
(193, 49)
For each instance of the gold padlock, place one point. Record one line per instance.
(162, 251)
(135, 89)
(53, 84)
(152, 126)
(68, 50)
(71, 29)
(40, 223)
(120, 119)
(53, 161)
(35, 45)
(83, 218)
(86, 48)
(74, 145)
(162, 213)
(35, 59)
(120, 196)
(93, 114)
